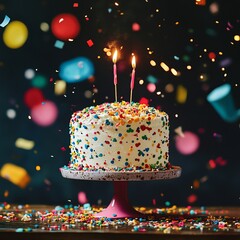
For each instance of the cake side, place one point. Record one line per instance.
(115, 136)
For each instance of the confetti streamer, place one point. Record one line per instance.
(5, 21)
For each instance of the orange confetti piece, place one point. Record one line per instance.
(200, 2)
(15, 174)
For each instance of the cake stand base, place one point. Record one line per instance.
(120, 207)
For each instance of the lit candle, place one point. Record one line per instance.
(115, 73)
(132, 77)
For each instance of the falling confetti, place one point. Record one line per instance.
(90, 43)
(5, 21)
(24, 144)
(59, 44)
(181, 94)
(60, 87)
(82, 198)
(15, 174)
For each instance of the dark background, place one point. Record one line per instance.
(108, 29)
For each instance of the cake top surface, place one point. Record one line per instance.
(122, 112)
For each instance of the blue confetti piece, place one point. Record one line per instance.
(59, 44)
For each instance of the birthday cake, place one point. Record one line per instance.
(119, 136)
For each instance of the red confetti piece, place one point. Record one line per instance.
(201, 130)
(33, 97)
(90, 43)
(220, 161)
(192, 198)
(212, 55)
(135, 27)
(144, 100)
(212, 164)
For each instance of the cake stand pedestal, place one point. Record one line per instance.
(120, 207)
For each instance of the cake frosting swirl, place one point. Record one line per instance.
(119, 136)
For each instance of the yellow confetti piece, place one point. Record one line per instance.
(38, 168)
(164, 66)
(174, 71)
(181, 95)
(15, 174)
(24, 144)
(60, 87)
(153, 63)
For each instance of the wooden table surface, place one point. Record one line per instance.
(35, 222)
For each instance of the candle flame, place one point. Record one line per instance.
(133, 62)
(114, 59)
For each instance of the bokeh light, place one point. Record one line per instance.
(29, 73)
(33, 97)
(15, 34)
(136, 27)
(44, 114)
(151, 87)
(44, 26)
(39, 81)
(11, 113)
(187, 144)
(76, 70)
(60, 87)
(192, 198)
(65, 26)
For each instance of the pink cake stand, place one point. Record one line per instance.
(120, 207)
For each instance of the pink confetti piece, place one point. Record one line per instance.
(82, 198)
(230, 25)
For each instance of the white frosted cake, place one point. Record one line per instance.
(119, 136)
